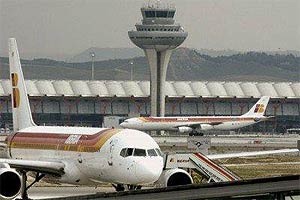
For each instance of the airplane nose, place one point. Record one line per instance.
(124, 124)
(149, 171)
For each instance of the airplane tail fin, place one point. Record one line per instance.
(259, 108)
(22, 117)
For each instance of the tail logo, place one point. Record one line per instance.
(15, 90)
(260, 108)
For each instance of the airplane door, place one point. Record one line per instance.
(83, 138)
(112, 146)
(59, 147)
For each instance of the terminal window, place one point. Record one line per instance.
(150, 13)
(171, 14)
(161, 14)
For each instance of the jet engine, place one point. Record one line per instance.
(11, 183)
(206, 127)
(185, 129)
(173, 177)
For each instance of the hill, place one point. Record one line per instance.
(106, 54)
(185, 64)
(127, 53)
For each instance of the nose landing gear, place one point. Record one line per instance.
(121, 187)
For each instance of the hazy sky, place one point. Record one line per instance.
(59, 28)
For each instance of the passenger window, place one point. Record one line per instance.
(139, 152)
(159, 152)
(151, 152)
(129, 152)
(123, 152)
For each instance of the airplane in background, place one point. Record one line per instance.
(81, 155)
(196, 124)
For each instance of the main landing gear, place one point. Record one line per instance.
(196, 133)
(24, 193)
(121, 187)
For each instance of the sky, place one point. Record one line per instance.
(62, 28)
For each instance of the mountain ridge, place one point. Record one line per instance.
(185, 65)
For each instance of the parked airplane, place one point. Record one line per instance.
(195, 124)
(75, 155)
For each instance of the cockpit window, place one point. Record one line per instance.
(139, 152)
(129, 152)
(159, 152)
(123, 152)
(151, 152)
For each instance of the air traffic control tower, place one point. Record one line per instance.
(158, 35)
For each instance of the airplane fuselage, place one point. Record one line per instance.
(205, 123)
(90, 155)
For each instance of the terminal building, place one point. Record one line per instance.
(88, 103)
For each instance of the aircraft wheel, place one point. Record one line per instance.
(134, 187)
(195, 133)
(119, 187)
(138, 187)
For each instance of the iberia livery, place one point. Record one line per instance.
(195, 124)
(74, 155)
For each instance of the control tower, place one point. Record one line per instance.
(158, 35)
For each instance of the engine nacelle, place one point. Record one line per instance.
(185, 129)
(11, 183)
(205, 127)
(173, 177)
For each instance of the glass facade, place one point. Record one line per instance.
(163, 14)
(150, 14)
(159, 14)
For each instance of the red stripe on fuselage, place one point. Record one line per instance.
(56, 141)
(195, 119)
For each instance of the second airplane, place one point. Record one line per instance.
(196, 124)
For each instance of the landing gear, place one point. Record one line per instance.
(134, 187)
(24, 193)
(120, 187)
(195, 133)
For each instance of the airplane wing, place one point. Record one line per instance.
(254, 153)
(198, 125)
(48, 167)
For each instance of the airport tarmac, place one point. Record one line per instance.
(64, 191)
(271, 141)
(54, 192)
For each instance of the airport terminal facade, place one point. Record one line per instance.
(87, 103)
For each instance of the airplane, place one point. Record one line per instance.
(195, 124)
(74, 155)
(79, 155)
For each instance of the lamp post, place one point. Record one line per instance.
(131, 70)
(93, 68)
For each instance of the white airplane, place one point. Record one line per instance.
(195, 124)
(74, 155)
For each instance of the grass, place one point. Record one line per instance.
(266, 166)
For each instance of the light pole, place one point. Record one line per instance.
(93, 55)
(131, 70)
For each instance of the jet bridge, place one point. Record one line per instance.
(202, 164)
